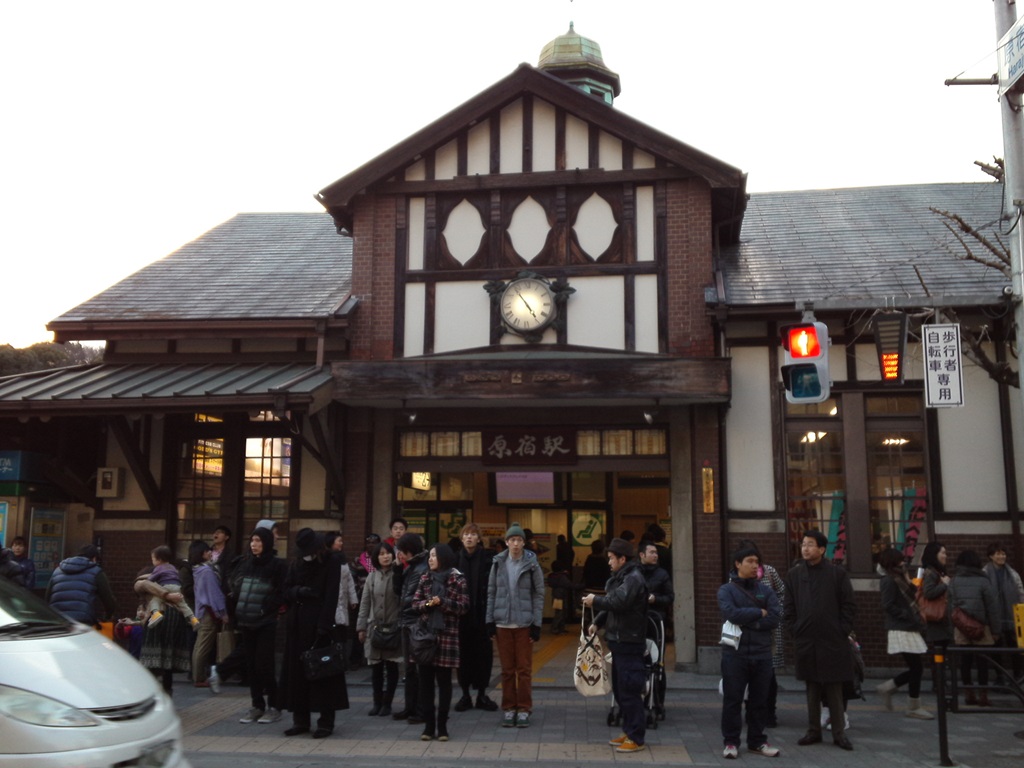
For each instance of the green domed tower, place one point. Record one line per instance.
(577, 60)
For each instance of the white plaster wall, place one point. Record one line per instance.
(543, 136)
(511, 153)
(609, 152)
(577, 143)
(642, 160)
(417, 171)
(645, 303)
(971, 455)
(748, 432)
(645, 223)
(478, 149)
(415, 307)
(417, 225)
(314, 482)
(446, 161)
(133, 498)
(595, 316)
(462, 316)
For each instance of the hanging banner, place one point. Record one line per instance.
(943, 366)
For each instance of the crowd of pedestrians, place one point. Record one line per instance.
(433, 617)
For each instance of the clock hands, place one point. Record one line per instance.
(528, 307)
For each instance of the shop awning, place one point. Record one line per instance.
(165, 388)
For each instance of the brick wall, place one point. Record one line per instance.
(373, 279)
(689, 247)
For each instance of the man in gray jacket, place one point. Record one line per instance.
(515, 610)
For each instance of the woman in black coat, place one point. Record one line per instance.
(311, 594)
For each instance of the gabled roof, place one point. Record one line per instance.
(254, 267)
(871, 244)
(727, 182)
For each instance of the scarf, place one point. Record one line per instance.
(438, 588)
(907, 589)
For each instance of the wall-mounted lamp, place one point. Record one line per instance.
(411, 416)
(649, 416)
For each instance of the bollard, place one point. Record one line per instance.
(939, 671)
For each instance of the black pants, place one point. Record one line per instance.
(429, 674)
(258, 643)
(412, 686)
(476, 658)
(912, 674)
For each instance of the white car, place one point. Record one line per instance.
(71, 697)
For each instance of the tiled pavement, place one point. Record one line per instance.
(569, 730)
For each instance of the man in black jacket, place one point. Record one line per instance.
(819, 611)
(476, 651)
(622, 611)
(413, 559)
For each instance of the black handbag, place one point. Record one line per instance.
(422, 643)
(323, 662)
(385, 637)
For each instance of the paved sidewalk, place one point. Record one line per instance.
(569, 730)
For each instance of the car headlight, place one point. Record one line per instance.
(34, 709)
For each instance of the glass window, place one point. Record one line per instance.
(199, 488)
(816, 487)
(899, 499)
(268, 464)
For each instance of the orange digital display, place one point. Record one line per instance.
(890, 366)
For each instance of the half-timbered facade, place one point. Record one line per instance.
(534, 309)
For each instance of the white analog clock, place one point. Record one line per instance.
(528, 305)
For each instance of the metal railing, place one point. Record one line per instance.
(947, 665)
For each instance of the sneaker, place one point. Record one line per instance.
(156, 618)
(523, 720)
(271, 716)
(508, 719)
(630, 746)
(730, 752)
(765, 749)
(251, 716)
(616, 741)
(214, 680)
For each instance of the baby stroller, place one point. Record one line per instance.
(654, 668)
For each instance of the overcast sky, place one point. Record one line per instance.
(131, 128)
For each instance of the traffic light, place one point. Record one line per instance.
(805, 365)
(891, 343)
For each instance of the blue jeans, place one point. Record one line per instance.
(739, 672)
(628, 678)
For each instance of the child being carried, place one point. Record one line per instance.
(166, 577)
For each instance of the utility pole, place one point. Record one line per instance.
(1013, 190)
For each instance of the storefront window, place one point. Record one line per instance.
(268, 463)
(858, 472)
(199, 488)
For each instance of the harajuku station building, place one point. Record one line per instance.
(538, 309)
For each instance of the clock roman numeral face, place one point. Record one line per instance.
(527, 305)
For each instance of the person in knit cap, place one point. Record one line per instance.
(515, 608)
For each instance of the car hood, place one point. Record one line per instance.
(82, 668)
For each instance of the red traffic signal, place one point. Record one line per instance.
(802, 341)
(805, 371)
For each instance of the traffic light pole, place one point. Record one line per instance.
(1013, 188)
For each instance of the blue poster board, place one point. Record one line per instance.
(3, 524)
(46, 542)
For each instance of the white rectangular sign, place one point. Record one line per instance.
(943, 366)
(1010, 57)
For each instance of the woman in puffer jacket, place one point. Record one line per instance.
(973, 592)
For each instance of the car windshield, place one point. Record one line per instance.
(20, 608)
